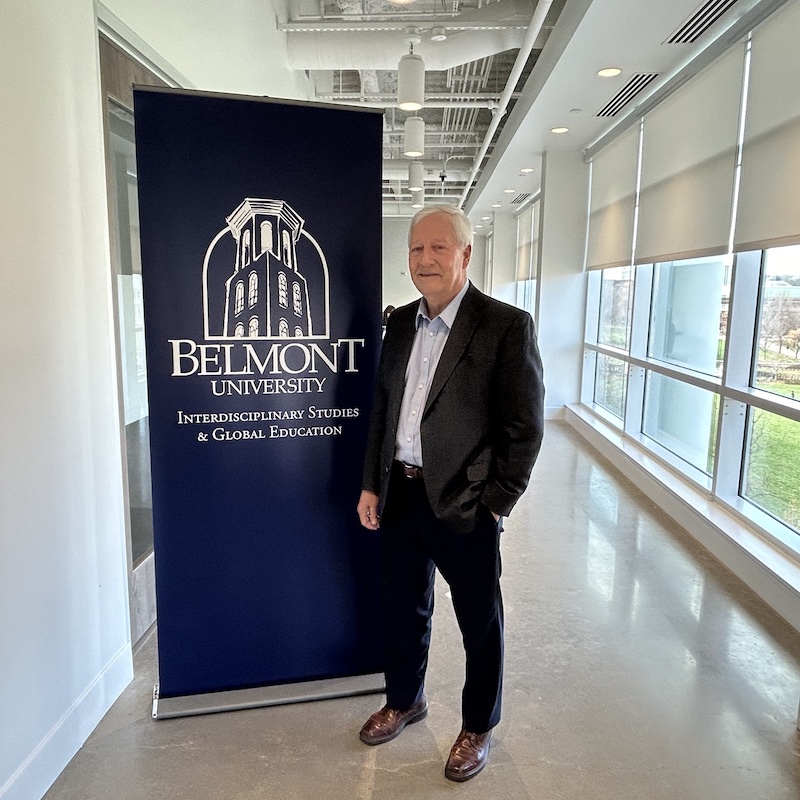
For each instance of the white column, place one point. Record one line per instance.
(65, 648)
(565, 182)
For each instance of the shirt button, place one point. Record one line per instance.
(408, 439)
(420, 386)
(424, 360)
(413, 413)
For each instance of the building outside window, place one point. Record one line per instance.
(616, 296)
(778, 360)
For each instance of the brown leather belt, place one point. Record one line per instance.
(410, 471)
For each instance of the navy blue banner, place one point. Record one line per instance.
(261, 263)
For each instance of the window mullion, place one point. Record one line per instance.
(640, 322)
(737, 372)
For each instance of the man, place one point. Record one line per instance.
(455, 429)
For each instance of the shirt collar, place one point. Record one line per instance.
(448, 316)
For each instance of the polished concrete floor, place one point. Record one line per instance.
(637, 669)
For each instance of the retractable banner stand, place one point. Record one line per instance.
(261, 263)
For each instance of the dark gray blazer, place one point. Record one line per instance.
(483, 421)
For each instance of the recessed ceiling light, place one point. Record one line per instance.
(485, 218)
(479, 226)
(509, 191)
(561, 129)
(526, 170)
(497, 205)
(609, 72)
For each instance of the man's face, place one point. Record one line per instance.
(437, 262)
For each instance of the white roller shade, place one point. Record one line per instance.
(524, 240)
(613, 200)
(769, 194)
(689, 164)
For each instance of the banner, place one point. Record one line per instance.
(261, 263)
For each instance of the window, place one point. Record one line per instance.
(773, 459)
(283, 329)
(283, 290)
(287, 248)
(238, 306)
(778, 357)
(609, 387)
(297, 300)
(245, 248)
(527, 258)
(252, 289)
(298, 331)
(681, 418)
(252, 328)
(239, 330)
(689, 311)
(700, 357)
(616, 295)
(266, 237)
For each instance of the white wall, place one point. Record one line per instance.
(504, 259)
(64, 641)
(563, 282)
(222, 47)
(397, 286)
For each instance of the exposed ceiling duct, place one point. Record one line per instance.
(376, 50)
(475, 52)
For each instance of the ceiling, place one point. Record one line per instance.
(505, 74)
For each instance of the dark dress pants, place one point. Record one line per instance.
(414, 543)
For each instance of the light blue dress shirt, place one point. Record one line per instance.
(429, 342)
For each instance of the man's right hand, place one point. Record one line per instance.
(368, 510)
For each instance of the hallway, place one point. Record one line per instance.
(637, 668)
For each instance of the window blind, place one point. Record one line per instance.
(769, 198)
(612, 203)
(689, 164)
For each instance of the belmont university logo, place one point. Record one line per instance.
(276, 287)
(266, 308)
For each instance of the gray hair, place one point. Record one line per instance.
(462, 227)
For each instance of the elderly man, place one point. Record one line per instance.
(455, 429)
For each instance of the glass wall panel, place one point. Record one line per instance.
(690, 312)
(616, 296)
(527, 258)
(778, 359)
(772, 465)
(681, 418)
(128, 267)
(610, 383)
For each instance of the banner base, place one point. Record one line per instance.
(260, 696)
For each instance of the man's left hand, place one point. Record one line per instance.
(368, 510)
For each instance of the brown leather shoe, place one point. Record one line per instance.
(468, 755)
(387, 723)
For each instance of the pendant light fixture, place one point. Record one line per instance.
(411, 81)
(416, 176)
(414, 137)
